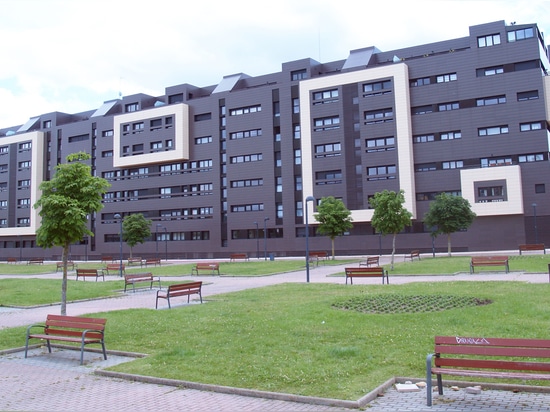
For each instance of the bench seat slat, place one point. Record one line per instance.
(493, 364)
(494, 351)
(490, 374)
(66, 338)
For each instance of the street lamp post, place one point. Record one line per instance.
(308, 199)
(166, 244)
(265, 237)
(157, 239)
(257, 242)
(535, 222)
(119, 217)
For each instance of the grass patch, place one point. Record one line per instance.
(290, 338)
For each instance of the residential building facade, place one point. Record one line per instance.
(227, 168)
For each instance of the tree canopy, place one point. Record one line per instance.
(66, 202)
(449, 214)
(390, 216)
(334, 218)
(135, 229)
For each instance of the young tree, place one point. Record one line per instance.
(449, 214)
(66, 202)
(333, 217)
(135, 229)
(390, 217)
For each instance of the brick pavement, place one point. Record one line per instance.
(27, 383)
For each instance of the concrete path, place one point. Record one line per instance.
(56, 382)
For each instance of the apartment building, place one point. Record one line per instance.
(227, 168)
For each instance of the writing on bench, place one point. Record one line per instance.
(203, 266)
(368, 272)
(489, 261)
(73, 329)
(180, 289)
(140, 278)
(485, 358)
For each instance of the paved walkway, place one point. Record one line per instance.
(57, 382)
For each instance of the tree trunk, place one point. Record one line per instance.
(393, 250)
(332, 245)
(64, 281)
(449, 244)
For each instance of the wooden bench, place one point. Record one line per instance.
(12, 260)
(134, 278)
(371, 261)
(211, 266)
(317, 256)
(59, 265)
(485, 358)
(361, 272)
(489, 261)
(38, 261)
(115, 268)
(180, 289)
(89, 273)
(107, 259)
(532, 247)
(151, 261)
(84, 331)
(238, 256)
(412, 255)
(135, 261)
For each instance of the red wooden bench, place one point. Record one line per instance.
(361, 272)
(211, 266)
(525, 359)
(371, 261)
(140, 278)
(180, 289)
(73, 329)
(89, 273)
(532, 247)
(489, 261)
(238, 256)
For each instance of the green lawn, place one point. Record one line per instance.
(290, 338)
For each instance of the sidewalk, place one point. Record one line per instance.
(57, 382)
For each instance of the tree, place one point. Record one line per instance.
(66, 202)
(390, 217)
(449, 214)
(135, 229)
(333, 217)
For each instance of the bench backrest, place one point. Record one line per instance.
(114, 266)
(74, 325)
(489, 259)
(318, 254)
(81, 272)
(472, 352)
(210, 265)
(190, 286)
(373, 271)
(135, 276)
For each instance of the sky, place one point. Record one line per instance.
(72, 55)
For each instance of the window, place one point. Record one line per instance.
(165, 192)
(521, 34)
(23, 203)
(246, 158)
(455, 164)
(489, 101)
(170, 169)
(4, 149)
(490, 194)
(245, 134)
(489, 71)
(255, 207)
(245, 110)
(379, 116)
(451, 135)
(23, 221)
(279, 207)
(297, 156)
(381, 172)
(424, 138)
(538, 157)
(156, 145)
(295, 105)
(298, 183)
(296, 131)
(501, 161)
(279, 184)
(107, 153)
(25, 146)
(487, 41)
(107, 133)
(327, 96)
(425, 167)
(530, 95)
(526, 127)
(247, 183)
(24, 184)
(377, 88)
(24, 165)
(298, 74)
(138, 127)
(445, 78)
(491, 131)
(203, 140)
(132, 107)
(203, 117)
(540, 188)
(443, 107)
(326, 123)
(381, 144)
(328, 150)
(422, 109)
(47, 124)
(328, 177)
(155, 124)
(420, 82)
